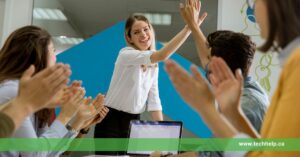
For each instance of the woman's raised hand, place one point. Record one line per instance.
(190, 12)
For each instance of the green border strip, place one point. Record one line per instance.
(184, 144)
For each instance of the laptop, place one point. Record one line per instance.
(153, 129)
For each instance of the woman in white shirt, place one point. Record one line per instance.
(134, 84)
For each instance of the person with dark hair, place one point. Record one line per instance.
(238, 51)
(134, 84)
(281, 120)
(34, 94)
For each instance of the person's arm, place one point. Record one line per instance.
(254, 113)
(26, 130)
(100, 110)
(7, 125)
(217, 122)
(137, 57)
(21, 108)
(165, 52)
(71, 105)
(96, 119)
(90, 114)
(228, 90)
(177, 41)
(189, 14)
(35, 91)
(153, 101)
(201, 45)
(196, 92)
(56, 130)
(241, 122)
(157, 115)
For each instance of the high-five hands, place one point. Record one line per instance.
(190, 12)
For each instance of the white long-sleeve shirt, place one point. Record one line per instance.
(132, 88)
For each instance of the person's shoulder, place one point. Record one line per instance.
(253, 85)
(292, 65)
(9, 84)
(128, 49)
(297, 50)
(254, 95)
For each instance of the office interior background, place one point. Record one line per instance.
(74, 22)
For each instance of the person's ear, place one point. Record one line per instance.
(128, 39)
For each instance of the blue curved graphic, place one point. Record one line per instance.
(250, 15)
(93, 62)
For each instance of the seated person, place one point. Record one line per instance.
(34, 94)
(238, 51)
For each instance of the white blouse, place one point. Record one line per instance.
(133, 87)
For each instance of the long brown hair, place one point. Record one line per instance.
(128, 26)
(24, 47)
(284, 22)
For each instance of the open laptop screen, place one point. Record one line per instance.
(150, 129)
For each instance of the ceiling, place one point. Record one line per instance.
(88, 17)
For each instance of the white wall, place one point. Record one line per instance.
(232, 16)
(18, 13)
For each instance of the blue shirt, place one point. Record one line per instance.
(254, 102)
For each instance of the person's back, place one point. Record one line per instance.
(254, 102)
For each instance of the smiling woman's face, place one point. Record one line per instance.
(141, 35)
